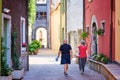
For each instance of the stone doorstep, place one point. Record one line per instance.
(113, 69)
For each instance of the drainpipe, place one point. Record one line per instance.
(111, 25)
(60, 28)
(27, 34)
(0, 30)
(65, 19)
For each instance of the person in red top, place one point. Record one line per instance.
(82, 55)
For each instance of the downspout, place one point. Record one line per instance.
(27, 33)
(111, 25)
(65, 19)
(60, 22)
(0, 31)
(48, 24)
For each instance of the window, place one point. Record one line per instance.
(41, 15)
(22, 30)
(103, 25)
(41, 1)
(36, 15)
(87, 29)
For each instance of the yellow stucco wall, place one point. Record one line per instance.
(117, 31)
(55, 29)
(63, 26)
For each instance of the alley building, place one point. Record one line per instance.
(41, 29)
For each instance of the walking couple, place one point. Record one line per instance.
(66, 55)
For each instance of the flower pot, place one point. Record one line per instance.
(18, 74)
(35, 52)
(6, 77)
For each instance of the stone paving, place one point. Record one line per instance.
(44, 67)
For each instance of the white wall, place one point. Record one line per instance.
(74, 15)
(74, 21)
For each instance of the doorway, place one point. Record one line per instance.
(6, 35)
(94, 39)
(41, 35)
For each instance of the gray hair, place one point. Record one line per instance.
(82, 42)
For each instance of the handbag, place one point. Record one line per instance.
(77, 54)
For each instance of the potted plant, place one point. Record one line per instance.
(18, 71)
(94, 56)
(84, 35)
(104, 60)
(34, 47)
(100, 31)
(24, 45)
(5, 69)
(99, 57)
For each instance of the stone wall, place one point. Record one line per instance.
(100, 68)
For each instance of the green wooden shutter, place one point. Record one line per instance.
(62, 6)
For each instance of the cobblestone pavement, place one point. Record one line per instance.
(44, 67)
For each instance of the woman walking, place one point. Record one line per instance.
(82, 55)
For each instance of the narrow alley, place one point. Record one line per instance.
(32, 32)
(44, 67)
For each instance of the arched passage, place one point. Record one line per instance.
(41, 35)
(94, 38)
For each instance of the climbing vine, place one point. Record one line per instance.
(31, 11)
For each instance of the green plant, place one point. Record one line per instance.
(104, 60)
(84, 35)
(100, 31)
(34, 45)
(31, 11)
(5, 69)
(99, 57)
(94, 57)
(94, 54)
(16, 64)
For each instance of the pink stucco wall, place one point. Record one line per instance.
(101, 10)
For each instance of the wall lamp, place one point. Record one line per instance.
(89, 0)
(6, 10)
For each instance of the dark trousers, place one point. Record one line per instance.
(81, 62)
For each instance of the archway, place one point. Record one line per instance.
(41, 35)
(94, 38)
